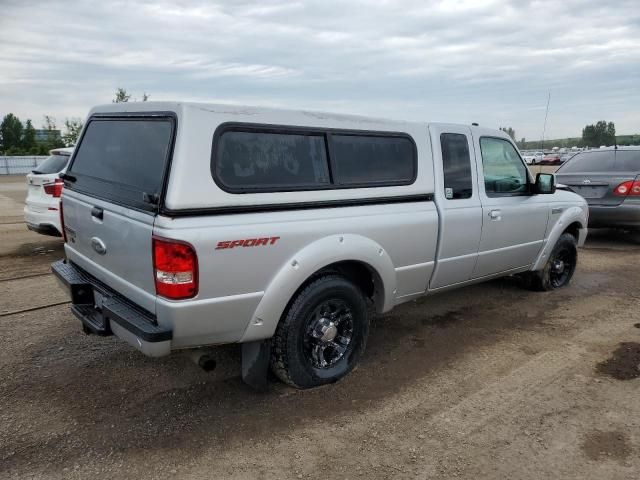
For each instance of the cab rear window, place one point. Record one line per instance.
(123, 159)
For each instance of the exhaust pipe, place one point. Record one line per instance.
(203, 359)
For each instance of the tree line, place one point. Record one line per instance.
(601, 133)
(18, 138)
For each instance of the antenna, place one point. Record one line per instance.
(544, 128)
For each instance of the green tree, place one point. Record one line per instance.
(611, 133)
(509, 131)
(53, 139)
(602, 133)
(29, 138)
(121, 96)
(49, 123)
(11, 133)
(73, 128)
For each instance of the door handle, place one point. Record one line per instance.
(495, 215)
(97, 212)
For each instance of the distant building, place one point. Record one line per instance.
(43, 136)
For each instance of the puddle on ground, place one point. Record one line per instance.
(624, 364)
(601, 446)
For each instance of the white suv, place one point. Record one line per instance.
(44, 188)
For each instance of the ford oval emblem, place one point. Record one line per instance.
(98, 245)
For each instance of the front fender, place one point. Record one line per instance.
(569, 215)
(306, 262)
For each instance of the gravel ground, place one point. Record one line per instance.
(490, 381)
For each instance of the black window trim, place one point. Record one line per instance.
(444, 185)
(142, 206)
(530, 184)
(310, 131)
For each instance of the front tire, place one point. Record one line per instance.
(559, 268)
(322, 334)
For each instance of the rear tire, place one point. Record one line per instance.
(559, 268)
(322, 334)
(635, 236)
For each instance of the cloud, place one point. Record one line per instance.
(490, 61)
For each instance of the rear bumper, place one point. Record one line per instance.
(624, 215)
(103, 311)
(46, 222)
(44, 229)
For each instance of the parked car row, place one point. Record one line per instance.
(539, 158)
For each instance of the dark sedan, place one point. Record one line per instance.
(609, 180)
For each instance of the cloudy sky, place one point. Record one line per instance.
(463, 61)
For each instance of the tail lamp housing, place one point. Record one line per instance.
(54, 188)
(630, 188)
(175, 269)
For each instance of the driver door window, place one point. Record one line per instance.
(514, 219)
(504, 171)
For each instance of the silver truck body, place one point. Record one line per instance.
(411, 238)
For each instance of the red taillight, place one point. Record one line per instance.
(175, 267)
(630, 188)
(64, 233)
(54, 188)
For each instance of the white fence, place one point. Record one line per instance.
(18, 165)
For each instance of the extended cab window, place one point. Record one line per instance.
(123, 159)
(363, 160)
(504, 171)
(456, 164)
(262, 161)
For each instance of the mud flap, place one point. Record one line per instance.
(255, 363)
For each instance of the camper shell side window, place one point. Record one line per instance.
(248, 158)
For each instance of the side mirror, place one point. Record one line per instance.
(545, 183)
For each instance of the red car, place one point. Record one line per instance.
(551, 159)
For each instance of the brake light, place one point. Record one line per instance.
(54, 188)
(175, 267)
(64, 233)
(630, 188)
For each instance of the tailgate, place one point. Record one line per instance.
(116, 248)
(110, 201)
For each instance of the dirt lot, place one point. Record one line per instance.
(491, 381)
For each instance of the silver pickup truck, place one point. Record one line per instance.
(190, 225)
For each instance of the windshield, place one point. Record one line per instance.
(53, 164)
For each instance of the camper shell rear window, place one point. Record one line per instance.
(124, 159)
(248, 158)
